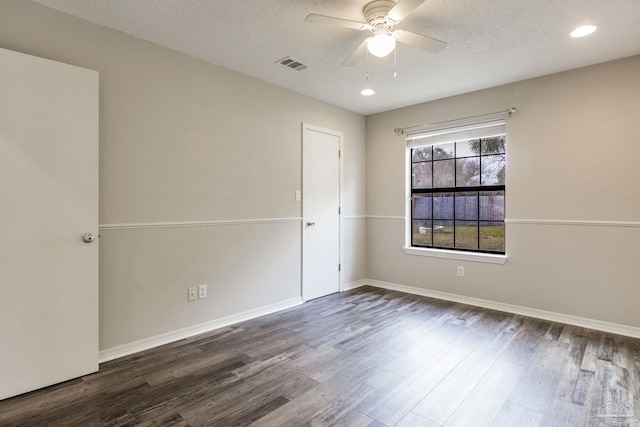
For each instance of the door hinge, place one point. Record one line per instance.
(339, 153)
(338, 210)
(339, 267)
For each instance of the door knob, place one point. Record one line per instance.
(88, 237)
(310, 224)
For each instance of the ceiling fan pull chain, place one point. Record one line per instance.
(367, 71)
(395, 68)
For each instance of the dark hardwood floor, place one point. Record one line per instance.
(368, 357)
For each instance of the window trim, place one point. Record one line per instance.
(453, 253)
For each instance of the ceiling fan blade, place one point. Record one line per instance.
(356, 55)
(403, 8)
(418, 40)
(330, 20)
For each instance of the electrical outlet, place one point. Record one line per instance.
(202, 291)
(460, 271)
(193, 295)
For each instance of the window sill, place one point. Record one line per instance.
(459, 255)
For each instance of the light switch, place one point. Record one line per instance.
(298, 195)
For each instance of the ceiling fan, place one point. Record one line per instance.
(380, 17)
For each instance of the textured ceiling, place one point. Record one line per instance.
(490, 42)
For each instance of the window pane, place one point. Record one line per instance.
(421, 233)
(492, 236)
(443, 234)
(444, 173)
(445, 213)
(444, 151)
(443, 205)
(468, 148)
(493, 169)
(421, 206)
(493, 145)
(492, 205)
(467, 172)
(421, 154)
(467, 206)
(421, 175)
(467, 234)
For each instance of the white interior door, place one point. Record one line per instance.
(320, 211)
(48, 200)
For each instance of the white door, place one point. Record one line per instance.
(320, 211)
(48, 200)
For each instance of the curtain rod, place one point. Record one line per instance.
(490, 116)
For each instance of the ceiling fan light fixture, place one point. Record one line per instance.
(583, 30)
(381, 44)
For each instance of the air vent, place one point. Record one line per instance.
(292, 63)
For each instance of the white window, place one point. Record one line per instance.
(457, 188)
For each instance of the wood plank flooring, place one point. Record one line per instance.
(368, 357)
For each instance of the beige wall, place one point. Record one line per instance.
(573, 155)
(182, 140)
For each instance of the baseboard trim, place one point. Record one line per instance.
(353, 285)
(169, 337)
(614, 328)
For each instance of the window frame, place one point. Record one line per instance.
(477, 254)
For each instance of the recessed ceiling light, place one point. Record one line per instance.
(584, 30)
(367, 92)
